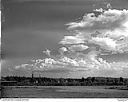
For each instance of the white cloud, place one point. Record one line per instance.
(108, 31)
(72, 40)
(105, 43)
(109, 19)
(109, 5)
(113, 22)
(110, 24)
(62, 50)
(80, 47)
(92, 65)
(47, 52)
(23, 66)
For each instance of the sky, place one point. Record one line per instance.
(62, 38)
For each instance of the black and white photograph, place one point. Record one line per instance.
(64, 49)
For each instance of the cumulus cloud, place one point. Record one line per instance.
(109, 6)
(102, 33)
(92, 55)
(92, 64)
(108, 19)
(62, 50)
(80, 47)
(47, 52)
(72, 40)
(104, 30)
(111, 23)
(105, 43)
(24, 66)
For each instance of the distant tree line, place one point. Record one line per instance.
(43, 81)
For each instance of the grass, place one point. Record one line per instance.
(64, 92)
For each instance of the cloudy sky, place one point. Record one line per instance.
(62, 38)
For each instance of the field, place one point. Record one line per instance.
(63, 92)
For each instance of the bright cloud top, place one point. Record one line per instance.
(106, 28)
(72, 40)
(81, 47)
(106, 19)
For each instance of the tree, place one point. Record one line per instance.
(93, 79)
(121, 79)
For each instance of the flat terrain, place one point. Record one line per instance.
(63, 92)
